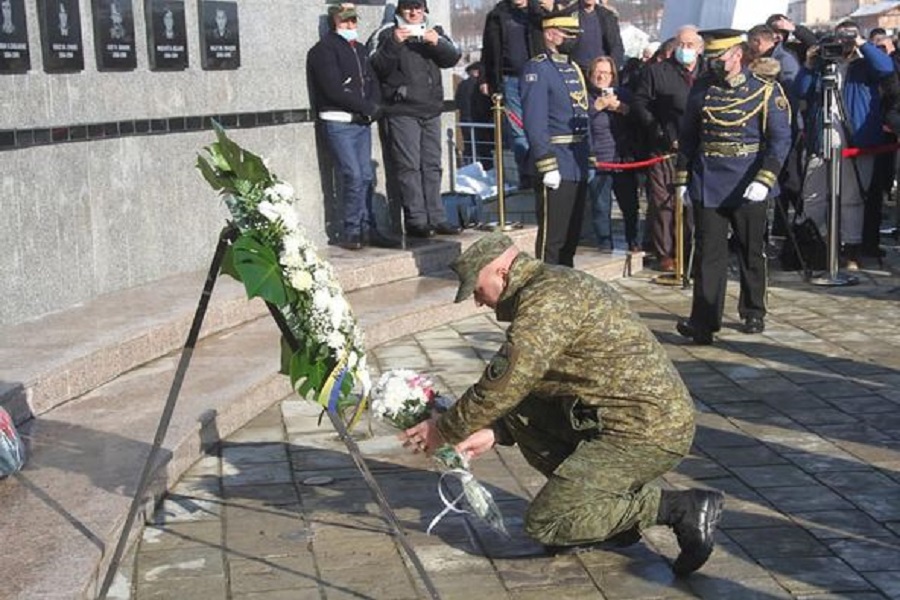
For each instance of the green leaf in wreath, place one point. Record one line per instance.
(258, 268)
(210, 174)
(228, 267)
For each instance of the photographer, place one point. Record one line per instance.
(858, 67)
(408, 59)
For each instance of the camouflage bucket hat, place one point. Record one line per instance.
(470, 263)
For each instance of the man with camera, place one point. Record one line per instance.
(856, 67)
(408, 59)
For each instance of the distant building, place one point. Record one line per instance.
(880, 14)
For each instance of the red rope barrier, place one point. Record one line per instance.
(854, 152)
(608, 166)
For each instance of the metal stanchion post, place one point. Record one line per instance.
(832, 157)
(497, 107)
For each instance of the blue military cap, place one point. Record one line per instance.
(717, 42)
(564, 16)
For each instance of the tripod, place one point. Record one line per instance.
(831, 105)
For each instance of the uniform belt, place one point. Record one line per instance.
(729, 149)
(337, 116)
(567, 139)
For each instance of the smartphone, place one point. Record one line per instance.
(607, 91)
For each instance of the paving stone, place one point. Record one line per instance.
(181, 535)
(252, 532)
(716, 588)
(244, 454)
(295, 594)
(542, 571)
(201, 588)
(886, 581)
(588, 592)
(805, 498)
(778, 542)
(253, 474)
(265, 574)
(835, 460)
(881, 554)
(645, 579)
(746, 456)
(454, 587)
(819, 574)
(773, 476)
(837, 524)
(180, 563)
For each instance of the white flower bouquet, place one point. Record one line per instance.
(403, 397)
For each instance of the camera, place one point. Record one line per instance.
(834, 47)
(416, 32)
(832, 51)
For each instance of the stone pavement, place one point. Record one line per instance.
(800, 426)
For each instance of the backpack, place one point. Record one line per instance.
(12, 450)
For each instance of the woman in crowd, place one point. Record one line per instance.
(610, 136)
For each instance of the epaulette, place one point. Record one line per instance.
(765, 68)
(541, 57)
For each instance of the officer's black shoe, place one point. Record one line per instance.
(419, 231)
(693, 516)
(351, 242)
(754, 325)
(626, 538)
(379, 240)
(446, 228)
(701, 337)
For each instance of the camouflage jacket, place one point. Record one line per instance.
(572, 335)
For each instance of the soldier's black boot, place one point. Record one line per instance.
(693, 515)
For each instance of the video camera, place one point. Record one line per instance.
(834, 47)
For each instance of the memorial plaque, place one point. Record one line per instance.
(14, 56)
(166, 35)
(61, 45)
(219, 40)
(114, 35)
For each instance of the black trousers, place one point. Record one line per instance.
(748, 224)
(559, 217)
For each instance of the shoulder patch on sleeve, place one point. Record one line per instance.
(501, 367)
(781, 103)
(530, 77)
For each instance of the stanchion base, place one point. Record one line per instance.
(668, 279)
(839, 280)
(497, 227)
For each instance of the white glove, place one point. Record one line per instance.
(552, 179)
(681, 192)
(756, 192)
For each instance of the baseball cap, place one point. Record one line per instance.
(343, 11)
(469, 264)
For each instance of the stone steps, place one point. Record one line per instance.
(64, 512)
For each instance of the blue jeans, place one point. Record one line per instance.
(600, 197)
(515, 134)
(351, 149)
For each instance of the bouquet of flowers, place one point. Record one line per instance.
(405, 398)
(277, 262)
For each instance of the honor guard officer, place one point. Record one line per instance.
(555, 115)
(734, 139)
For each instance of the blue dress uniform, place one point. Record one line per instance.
(735, 132)
(555, 116)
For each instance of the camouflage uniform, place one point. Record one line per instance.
(588, 394)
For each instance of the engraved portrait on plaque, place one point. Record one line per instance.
(14, 56)
(114, 35)
(166, 35)
(219, 39)
(60, 23)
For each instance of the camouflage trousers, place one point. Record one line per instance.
(598, 485)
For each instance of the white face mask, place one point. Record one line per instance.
(685, 56)
(351, 35)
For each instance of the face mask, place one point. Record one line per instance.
(567, 46)
(350, 35)
(718, 69)
(685, 56)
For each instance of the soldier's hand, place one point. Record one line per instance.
(477, 444)
(756, 192)
(552, 179)
(424, 437)
(681, 194)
